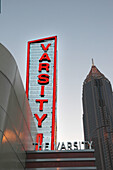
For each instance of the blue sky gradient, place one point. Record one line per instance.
(85, 31)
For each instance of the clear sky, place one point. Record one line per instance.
(85, 31)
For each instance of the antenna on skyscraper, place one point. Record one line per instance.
(92, 62)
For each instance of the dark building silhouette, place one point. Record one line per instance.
(98, 117)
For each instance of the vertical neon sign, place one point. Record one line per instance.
(41, 87)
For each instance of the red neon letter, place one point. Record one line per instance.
(39, 139)
(40, 119)
(43, 66)
(41, 101)
(43, 79)
(44, 57)
(45, 48)
(42, 91)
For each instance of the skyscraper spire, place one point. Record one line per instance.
(94, 73)
(92, 62)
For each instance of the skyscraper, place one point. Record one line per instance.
(98, 117)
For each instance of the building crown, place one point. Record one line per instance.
(94, 73)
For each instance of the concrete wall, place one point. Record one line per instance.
(15, 115)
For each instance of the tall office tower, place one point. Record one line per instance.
(98, 117)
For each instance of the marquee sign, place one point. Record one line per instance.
(67, 146)
(41, 87)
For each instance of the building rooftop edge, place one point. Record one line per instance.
(94, 73)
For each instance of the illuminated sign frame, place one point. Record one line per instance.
(42, 88)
